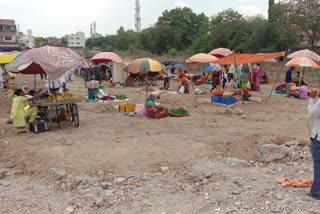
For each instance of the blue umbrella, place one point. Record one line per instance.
(208, 68)
(180, 66)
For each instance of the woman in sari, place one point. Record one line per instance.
(257, 78)
(244, 77)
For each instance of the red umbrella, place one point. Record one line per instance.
(54, 61)
(221, 52)
(104, 57)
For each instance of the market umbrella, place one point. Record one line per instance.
(179, 66)
(54, 61)
(208, 68)
(169, 61)
(305, 53)
(302, 62)
(7, 58)
(104, 57)
(202, 58)
(220, 52)
(143, 66)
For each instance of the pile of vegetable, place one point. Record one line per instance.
(178, 111)
(121, 97)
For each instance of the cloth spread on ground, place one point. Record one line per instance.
(294, 182)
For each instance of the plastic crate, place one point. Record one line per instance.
(228, 100)
(216, 99)
(130, 107)
(39, 126)
(160, 113)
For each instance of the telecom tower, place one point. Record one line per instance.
(137, 16)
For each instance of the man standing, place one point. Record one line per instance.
(314, 112)
(288, 79)
(97, 72)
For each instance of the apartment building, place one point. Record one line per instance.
(77, 40)
(8, 32)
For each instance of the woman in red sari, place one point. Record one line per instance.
(256, 77)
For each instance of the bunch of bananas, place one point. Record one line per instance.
(65, 96)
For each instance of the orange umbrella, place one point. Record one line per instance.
(302, 62)
(202, 58)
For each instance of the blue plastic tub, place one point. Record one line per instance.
(228, 100)
(216, 99)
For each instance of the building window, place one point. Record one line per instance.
(8, 38)
(27, 41)
(71, 38)
(1, 27)
(78, 43)
(7, 27)
(78, 38)
(71, 43)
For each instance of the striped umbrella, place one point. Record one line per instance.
(143, 66)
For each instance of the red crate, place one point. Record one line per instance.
(160, 113)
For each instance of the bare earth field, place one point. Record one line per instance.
(126, 164)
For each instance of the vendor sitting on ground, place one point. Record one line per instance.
(302, 93)
(101, 95)
(19, 115)
(184, 83)
(151, 103)
(203, 78)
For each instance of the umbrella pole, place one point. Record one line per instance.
(236, 71)
(35, 82)
(146, 91)
(301, 76)
(275, 82)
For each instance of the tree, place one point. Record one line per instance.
(125, 39)
(270, 11)
(228, 29)
(64, 42)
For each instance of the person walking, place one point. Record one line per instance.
(97, 70)
(288, 79)
(314, 112)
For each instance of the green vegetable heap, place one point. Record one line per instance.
(121, 97)
(177, 111)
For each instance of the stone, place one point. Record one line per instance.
(60, 174)
(70, 210)
(109, 192)
(147, 202)
(99, 202)
(244, 117)
(120, 180)
(234, 162)
(106, 185)
(279, 196)
(165, 168)
(52, 171)
(5, 183)
(291, 144)
(238, 111)
(69, 142)
(272, 152)
(227, 112)
(100, 173)
(236, 192)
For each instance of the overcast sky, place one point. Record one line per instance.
(60, 17)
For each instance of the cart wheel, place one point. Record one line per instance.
(58, 117)
(75, 115)
(69, 109)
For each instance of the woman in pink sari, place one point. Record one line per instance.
(257, 78)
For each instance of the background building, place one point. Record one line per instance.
(77, 40)
(26, 40)
(8, 31)
(54, 41)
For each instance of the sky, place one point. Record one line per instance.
(60, 17)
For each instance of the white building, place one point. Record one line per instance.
(26, 40)
(77, 40)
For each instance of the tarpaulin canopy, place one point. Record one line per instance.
(220, 52)
(5, 59)
(104, 57)
(249, 58)
(54, 61)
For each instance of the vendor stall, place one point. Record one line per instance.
(55, 62)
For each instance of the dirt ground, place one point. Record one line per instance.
(147, 161)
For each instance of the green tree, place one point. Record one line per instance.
(270, 11)
(125, 39)
(64, 42)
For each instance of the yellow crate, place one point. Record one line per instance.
(130, 107)
(122, 108)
